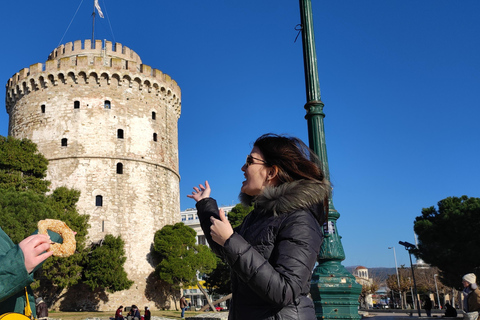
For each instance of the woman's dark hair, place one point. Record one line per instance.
(294, 160)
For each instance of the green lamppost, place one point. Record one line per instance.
(333, 289)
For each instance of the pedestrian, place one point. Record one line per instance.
(118, 313)
(273, 252)
(427, 305)
(18, 263)
(42, 309)
(134, 313)
(471, 297)
(450, 310)
(147, 314)
(183, 306)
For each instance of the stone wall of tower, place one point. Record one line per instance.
(108, 126)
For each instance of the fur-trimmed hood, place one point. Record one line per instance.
(289, 197)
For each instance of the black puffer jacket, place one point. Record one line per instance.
(272, 253)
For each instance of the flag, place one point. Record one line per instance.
(97, 6)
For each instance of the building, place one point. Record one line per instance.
(107, 123)
(361, 276)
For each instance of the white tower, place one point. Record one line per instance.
(108, 126)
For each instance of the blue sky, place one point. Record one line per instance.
(399, 80)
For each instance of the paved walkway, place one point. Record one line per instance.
(209, 316)
(366, 315)
(405, 315)
(206, 315)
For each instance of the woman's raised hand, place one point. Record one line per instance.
(201, 192)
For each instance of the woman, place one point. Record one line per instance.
(272, 253)
(148, 314)
(471, 297)
(118, 313)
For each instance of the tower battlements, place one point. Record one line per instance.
(85, 62)
(94, 48)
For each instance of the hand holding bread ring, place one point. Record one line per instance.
(65, 249)
(33, 248)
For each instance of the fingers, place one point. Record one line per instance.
(44, 256)
(221, 213)
(200, 192)
(35, 240)
(33, 248)
(41, 247)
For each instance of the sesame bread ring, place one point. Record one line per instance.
(65, 249)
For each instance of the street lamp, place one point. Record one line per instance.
(410, 247)
(334, 290)
(398, 278)
(436, 289)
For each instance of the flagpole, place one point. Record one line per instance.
(93, 23)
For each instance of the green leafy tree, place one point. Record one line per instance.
(22, 167)
(218, 281)
(66, 272)
(447, 236)
(104, 267)
(238, 213)
(20, 212)
(180, 257)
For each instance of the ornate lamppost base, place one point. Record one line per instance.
(334, 292)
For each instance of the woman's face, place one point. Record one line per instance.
(256, 173)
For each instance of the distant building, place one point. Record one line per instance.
(361, 276)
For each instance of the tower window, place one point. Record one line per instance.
(154, 137)
(107, 104)
(119, 168)
(64, 142)
(76, 104)
(42, 107)
(99, 201)
(154, 115)
(120, 133)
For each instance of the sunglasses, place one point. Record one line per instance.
(250, 159)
